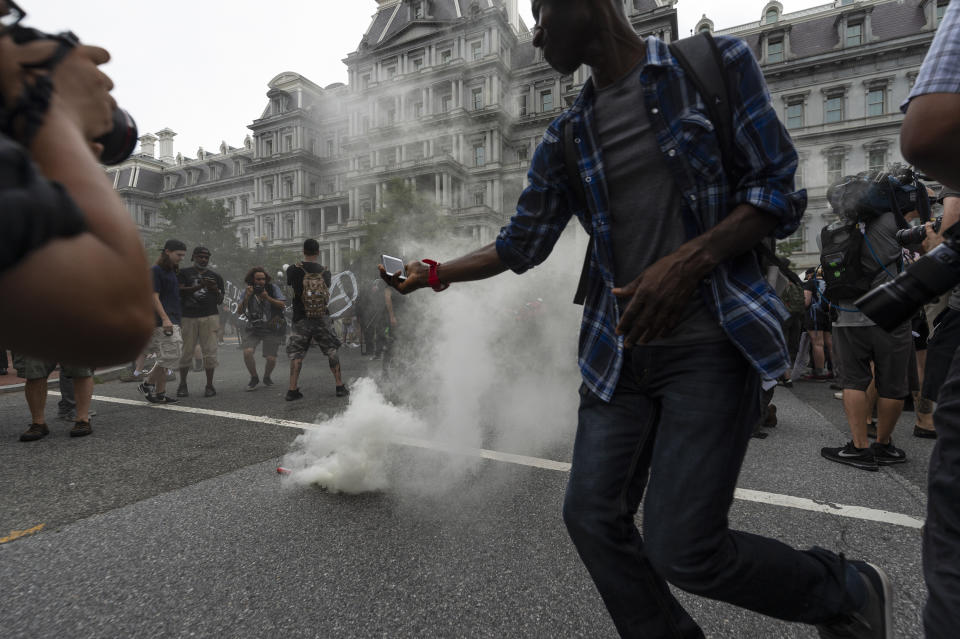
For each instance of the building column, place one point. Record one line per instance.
(323, 221)
(340, 215)
(436, 188)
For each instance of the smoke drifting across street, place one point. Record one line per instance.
(488, 364)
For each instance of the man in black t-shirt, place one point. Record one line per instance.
(309, 329)
(201, 292)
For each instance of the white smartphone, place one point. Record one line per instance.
(392, 265)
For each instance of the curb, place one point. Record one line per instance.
(99, 377)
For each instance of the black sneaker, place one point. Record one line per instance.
(35, 432)
(875, 619)
(887, 454)
(182, 391)
(293, 395)
(81, 429)
(254, 380)
(924, 433)
(267, 381)
(161, 398)
(146, 388)
(342, 391)
(850, 455)
(209, 391)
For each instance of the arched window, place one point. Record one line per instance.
(772, 15)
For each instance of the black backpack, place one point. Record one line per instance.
(840, 257)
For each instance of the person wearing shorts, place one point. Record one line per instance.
(36, 372)
(262, 305)
(166, 340)
(201, 292)
(307, 330)
(860, 342)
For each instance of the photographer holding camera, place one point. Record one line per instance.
(61, 224)
(263, 305)
(930, 139)
(201, 293)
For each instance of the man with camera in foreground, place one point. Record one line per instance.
(62, 227)
(679, 330)
(930, 139)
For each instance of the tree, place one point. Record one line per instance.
(407, 220)
(198, 221)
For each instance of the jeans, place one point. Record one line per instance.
(707, 399)
(941, 534)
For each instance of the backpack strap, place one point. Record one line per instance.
(700, 59)
(573, 176)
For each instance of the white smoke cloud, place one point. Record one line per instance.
(488, 364)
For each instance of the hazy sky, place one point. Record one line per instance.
(201, 67)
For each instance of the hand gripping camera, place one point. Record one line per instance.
(119, 142)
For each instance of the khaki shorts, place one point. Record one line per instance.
(204, 331)
(168, 348)
(33, 368)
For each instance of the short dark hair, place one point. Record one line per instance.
(248, 278)
(311, 247)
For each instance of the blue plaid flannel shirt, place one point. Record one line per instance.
(747, 308)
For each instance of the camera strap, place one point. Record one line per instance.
(23, 119)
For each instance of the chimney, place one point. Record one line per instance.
(148, 146)
(166, 145)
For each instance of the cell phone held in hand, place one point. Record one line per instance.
(393, 264)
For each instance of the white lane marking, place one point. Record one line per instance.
(841, 510)
(743, 494)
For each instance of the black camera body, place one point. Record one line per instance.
(257, 290)
(119, 143)
(893, 303)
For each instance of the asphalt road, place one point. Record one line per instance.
(174, 524)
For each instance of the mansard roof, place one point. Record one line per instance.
(814, 31)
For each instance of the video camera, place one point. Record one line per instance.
(119, 142)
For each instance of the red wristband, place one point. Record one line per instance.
(433, 279)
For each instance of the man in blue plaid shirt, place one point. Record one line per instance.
(679, 328)
(930, 139)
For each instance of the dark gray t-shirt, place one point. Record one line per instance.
(644, 200)
(882, 236)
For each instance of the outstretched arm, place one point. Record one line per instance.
(478, 265)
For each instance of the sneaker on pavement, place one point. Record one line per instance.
(850, 455)
(887, 454)
(875, 619)
(81, 429)
(182, 391)
(342, 391)
(161, 398)
(209, 391)
(293, 395)
(146, 388)
(35, 432)
(267, 381)
(253, 383)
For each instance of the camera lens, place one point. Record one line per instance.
(119, 143)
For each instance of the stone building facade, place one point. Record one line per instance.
(451, 97)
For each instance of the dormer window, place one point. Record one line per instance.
(772, 16)
(417, 10)
(854, 34)
(775, 49)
